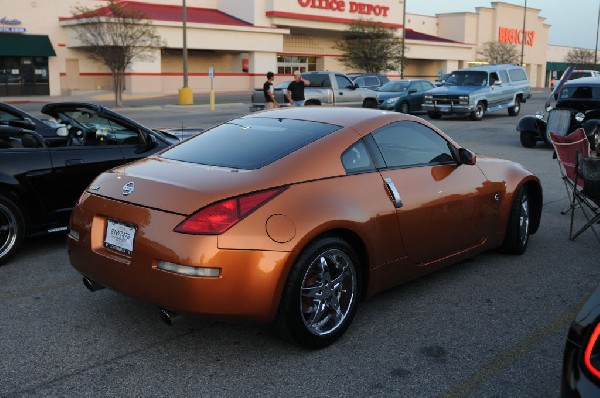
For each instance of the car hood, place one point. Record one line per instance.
(455, 90)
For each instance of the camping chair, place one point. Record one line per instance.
(587, 170)
(565, 148)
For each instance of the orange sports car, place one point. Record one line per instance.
(292, 216)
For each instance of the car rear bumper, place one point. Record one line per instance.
(249, 285)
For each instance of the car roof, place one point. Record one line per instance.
(489, 68)
(584, 81)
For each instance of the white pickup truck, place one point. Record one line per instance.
(326, 88)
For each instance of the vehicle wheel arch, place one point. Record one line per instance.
(370, 102)
(312, 102)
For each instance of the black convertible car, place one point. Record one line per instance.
(43, 173)
(49, 129)
(578, 105)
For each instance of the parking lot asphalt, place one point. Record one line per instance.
(493, 326)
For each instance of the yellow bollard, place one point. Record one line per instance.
(212, 100)
(186, 96)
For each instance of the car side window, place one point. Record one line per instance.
(410, 144)
(6, 117)
(16, 139)
(356, 159)
(493, 78)
(343, 82)
(372, 81)
(504, 76)
(91, 129)
(360, 81)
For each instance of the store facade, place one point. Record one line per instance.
(239, 41)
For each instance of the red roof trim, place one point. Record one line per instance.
(174, 13)
(320, 18)
(413, 35)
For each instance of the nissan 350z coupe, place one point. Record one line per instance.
(293, 216)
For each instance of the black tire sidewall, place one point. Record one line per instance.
(527, 139)
(512, 241)
(289, 311)
(20, 228)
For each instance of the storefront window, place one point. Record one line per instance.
(24, 76)
(288, 64)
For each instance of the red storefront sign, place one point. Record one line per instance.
(353, 7)
(516, 36)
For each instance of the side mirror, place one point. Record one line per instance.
(497, 83)
(466, 157)
(151, 143)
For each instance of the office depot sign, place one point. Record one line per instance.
(353, 7)
(516, 36)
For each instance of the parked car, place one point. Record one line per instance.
(368, 80)
(404, 96)
(581, 359)
(328, 88)
(577, 74)
(578, 105)
(41, 177)
(49, 129)
(260, 218)
(478, 90)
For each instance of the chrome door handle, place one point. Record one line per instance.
(394, 195)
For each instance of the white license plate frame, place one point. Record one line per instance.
(119, 236)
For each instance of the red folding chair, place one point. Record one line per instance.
(566, 149)
(587, 171)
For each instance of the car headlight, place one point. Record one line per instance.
(391, 101)
(580, 117)
(540, 115)
(429, 97)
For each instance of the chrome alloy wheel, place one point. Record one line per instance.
(328, 292)
(524, 219)
(8, 230)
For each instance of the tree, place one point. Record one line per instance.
(580, 56)
(116, 35)
(371, 47)
(498, 53)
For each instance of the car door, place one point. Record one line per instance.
(443, 207)
(416, 98)
(346, 94)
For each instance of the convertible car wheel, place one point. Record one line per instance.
(321, 294)
(528, 139)
(12, 229)
(517, 231)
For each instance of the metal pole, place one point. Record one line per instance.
(597, 29)
(403, 38)
(185, 51)
(524, 35)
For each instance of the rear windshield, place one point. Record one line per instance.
(580, 92)
(249, 143)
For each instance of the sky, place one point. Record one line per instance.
(574, 22)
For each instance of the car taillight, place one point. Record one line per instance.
(591, 355)
(220, 216)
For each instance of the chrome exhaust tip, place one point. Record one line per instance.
(167, 316)
(92, 285)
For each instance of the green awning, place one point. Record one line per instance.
(558, 66)
(19, 45)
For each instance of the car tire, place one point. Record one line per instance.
(321, 294)
(434, 116)
(12, 229)
(517, 230)
(404, 107)
(528, 139)
(477, 114)
(514, 110)
(369, 103)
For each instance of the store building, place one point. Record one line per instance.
(241, 40)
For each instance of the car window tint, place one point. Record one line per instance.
(249, 143)
(318, 79)
(343, 81)
(404, 144)
(6, 117)
(517, 74)
(580, 92)
(504, 76)
(371, 81)
(360, 81)
(356, 159)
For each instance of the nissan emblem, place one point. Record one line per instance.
(128, 188)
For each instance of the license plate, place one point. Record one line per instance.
(444, 108)
(119, 237)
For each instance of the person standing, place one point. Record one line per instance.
(295, 91)
(269, 92)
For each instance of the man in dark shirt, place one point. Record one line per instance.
(295, 91)
(269, 92)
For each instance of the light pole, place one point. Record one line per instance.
(597, 29)
(186, 96)
(403, 38)
(524, 35)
